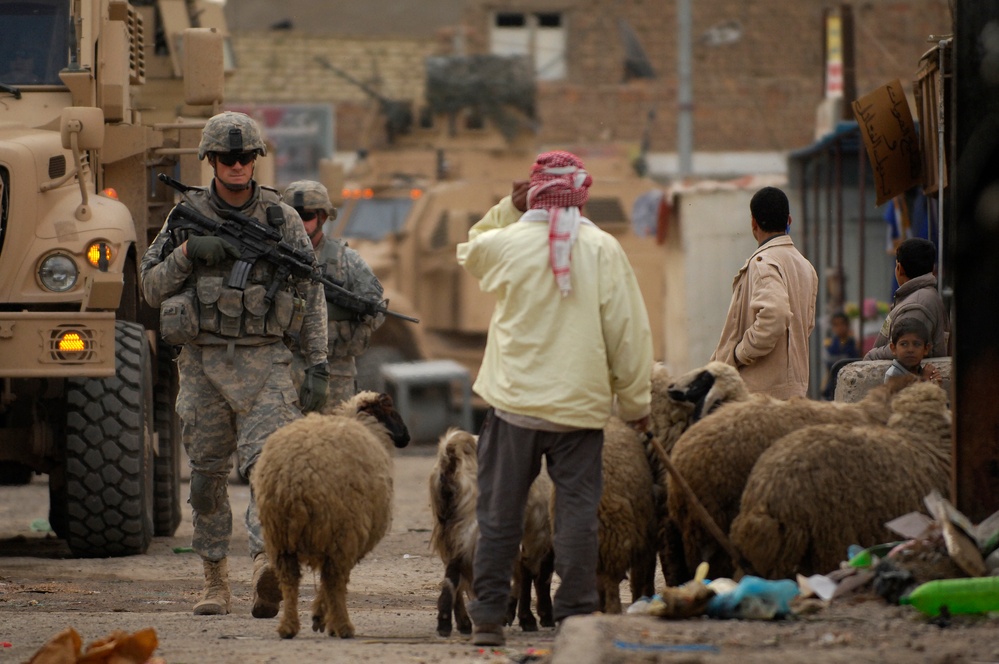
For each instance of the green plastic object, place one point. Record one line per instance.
(975, 595)
(866, 557)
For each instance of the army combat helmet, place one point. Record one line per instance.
(309, 195)
(231, 132)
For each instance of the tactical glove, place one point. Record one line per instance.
(315, 388)
(209, 249)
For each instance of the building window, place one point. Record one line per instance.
(538, 35)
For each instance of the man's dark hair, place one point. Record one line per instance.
(910, 326)
(916, 256)
(770, 209)
(839, 315)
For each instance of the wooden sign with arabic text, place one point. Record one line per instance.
(890, 137)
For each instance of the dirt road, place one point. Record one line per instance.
(392, 601)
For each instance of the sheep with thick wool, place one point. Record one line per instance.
(454, 491)
(628, 516)
(633, 500)
(716, 454)
(323, 486)
(820, 489)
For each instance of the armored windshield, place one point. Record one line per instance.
(374, 218)
(34, 41)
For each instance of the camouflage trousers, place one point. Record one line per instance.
(230, 400)
(343, 378)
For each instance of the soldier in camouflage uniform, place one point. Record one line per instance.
(235, 378)
(349, 335)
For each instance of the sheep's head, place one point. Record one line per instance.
(709, 387)
(380, 407)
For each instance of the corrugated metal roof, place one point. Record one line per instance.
(356, 18)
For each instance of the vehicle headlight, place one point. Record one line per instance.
(58, 273)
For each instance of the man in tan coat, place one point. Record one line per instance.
(772, 312)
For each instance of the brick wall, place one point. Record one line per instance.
(758, 93)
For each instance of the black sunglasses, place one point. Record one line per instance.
(307, 216)
(230, 158)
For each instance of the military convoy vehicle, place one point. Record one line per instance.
(86, 388)
(406, 206)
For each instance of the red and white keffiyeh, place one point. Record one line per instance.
(560, 185)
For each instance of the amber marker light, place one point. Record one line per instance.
(71, 342)
(99, 255)
(369, 193)
(110, 193)
(415, 193)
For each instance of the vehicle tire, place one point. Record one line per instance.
(15, 474)
(166, 468)
(369, 366)
(109, 459)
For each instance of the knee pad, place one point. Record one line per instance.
(206, 492)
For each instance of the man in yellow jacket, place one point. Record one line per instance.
(569, 334)
(772, 312)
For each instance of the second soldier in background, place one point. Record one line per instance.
(349, 332)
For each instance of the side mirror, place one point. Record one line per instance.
(204, 66)
(88, 125)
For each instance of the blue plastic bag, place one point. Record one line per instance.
(755, 599)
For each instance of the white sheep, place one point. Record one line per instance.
(820, 489)
(716, 454)
(454, 491)
(323, 486)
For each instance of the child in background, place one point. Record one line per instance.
(839, 344)
(910, 342)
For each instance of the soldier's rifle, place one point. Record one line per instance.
(256, 241)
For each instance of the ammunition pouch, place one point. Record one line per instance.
(230, 312)
(179, 318)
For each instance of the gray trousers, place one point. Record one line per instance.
(509, 460)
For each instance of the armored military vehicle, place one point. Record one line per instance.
(86, 390)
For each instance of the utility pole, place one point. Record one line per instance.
(685, 110)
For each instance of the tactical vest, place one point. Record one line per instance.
(208, 305)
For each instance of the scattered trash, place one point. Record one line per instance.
(531, 655)
(6, 644)
(868, 557)
(821, 586)
(183, 549)
(116, 648)
(640, 606)
(665, 647)
(755, 599)
(685, 601)
(955, 596)
(41, 526)
(892, 581)
(407, 556)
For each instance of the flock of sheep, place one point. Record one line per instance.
(790, 484)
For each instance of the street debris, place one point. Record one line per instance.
(118, 647)
(944, 566)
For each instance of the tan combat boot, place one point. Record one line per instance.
(216, 599)
(266, 590)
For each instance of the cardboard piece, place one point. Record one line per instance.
(890, 138)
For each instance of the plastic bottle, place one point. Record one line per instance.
(858, 557)
(975, 595)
